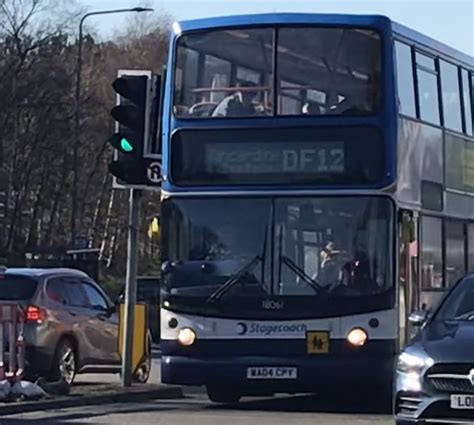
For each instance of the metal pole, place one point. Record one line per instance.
(131, 286)
(77, 138)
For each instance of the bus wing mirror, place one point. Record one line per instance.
(156, 113)
(418, 318)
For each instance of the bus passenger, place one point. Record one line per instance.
(238, 104)
(327, 252)
(311, 108)
(329, 276)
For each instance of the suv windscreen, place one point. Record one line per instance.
(459, 304)
(15, 288)
(96, 299)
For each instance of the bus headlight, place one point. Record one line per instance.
(186, 336)
(357, 337)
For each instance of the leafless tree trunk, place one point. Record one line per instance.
(92, 235)
(107, 225)
(58, 193)
(34, 217)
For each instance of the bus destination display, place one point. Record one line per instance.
(283, 156)
(262, 158)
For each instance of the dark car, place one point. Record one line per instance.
(71, 324)
(148, 292)
(435, 373)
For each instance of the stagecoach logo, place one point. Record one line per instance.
(270, 329)
(242, 328)
(471, 377)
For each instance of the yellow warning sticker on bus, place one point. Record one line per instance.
(317, 342)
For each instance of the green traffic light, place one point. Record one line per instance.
(125, 145)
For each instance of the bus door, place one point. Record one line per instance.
(407, 272)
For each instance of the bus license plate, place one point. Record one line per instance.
(272, 373)
(462, 402)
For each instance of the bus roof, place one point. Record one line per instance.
(281, 19)
(323, 19)
(431, 43)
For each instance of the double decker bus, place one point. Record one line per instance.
(318, 184)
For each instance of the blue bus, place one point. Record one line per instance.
(318, 182)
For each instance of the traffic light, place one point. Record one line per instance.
(131, 114)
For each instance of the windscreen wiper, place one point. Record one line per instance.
(466, 316)
(235, 278)
(302, 274)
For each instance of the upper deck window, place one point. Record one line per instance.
(319, 71)
(406, 86)
(451, 96)
(427, 75)
(224, 73)
(468, 117)
(328, 71)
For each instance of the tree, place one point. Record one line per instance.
(38, 52)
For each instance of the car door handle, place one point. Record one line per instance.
(72, 313)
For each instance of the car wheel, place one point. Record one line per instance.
(221, 395)
(142, 374)
(64, 364)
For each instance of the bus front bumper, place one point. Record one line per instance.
(262, 374)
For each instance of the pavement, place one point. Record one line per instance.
(97, 395)
(99, 389)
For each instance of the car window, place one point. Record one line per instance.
(96, 300)
(13, 288)
(148, 291)
(75, 293)
(56, 291)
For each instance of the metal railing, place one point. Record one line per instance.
(12, 345)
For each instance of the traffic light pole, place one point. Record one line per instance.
(131, 285)
(77, 126)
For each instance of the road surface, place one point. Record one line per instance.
(195, 409)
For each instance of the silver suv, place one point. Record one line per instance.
(71, 325)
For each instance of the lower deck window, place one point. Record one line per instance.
(431, 253)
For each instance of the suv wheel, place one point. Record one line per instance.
(142, 374)
(64, 365)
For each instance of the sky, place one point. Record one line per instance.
(449, 21)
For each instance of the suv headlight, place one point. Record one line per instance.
(409, 363)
